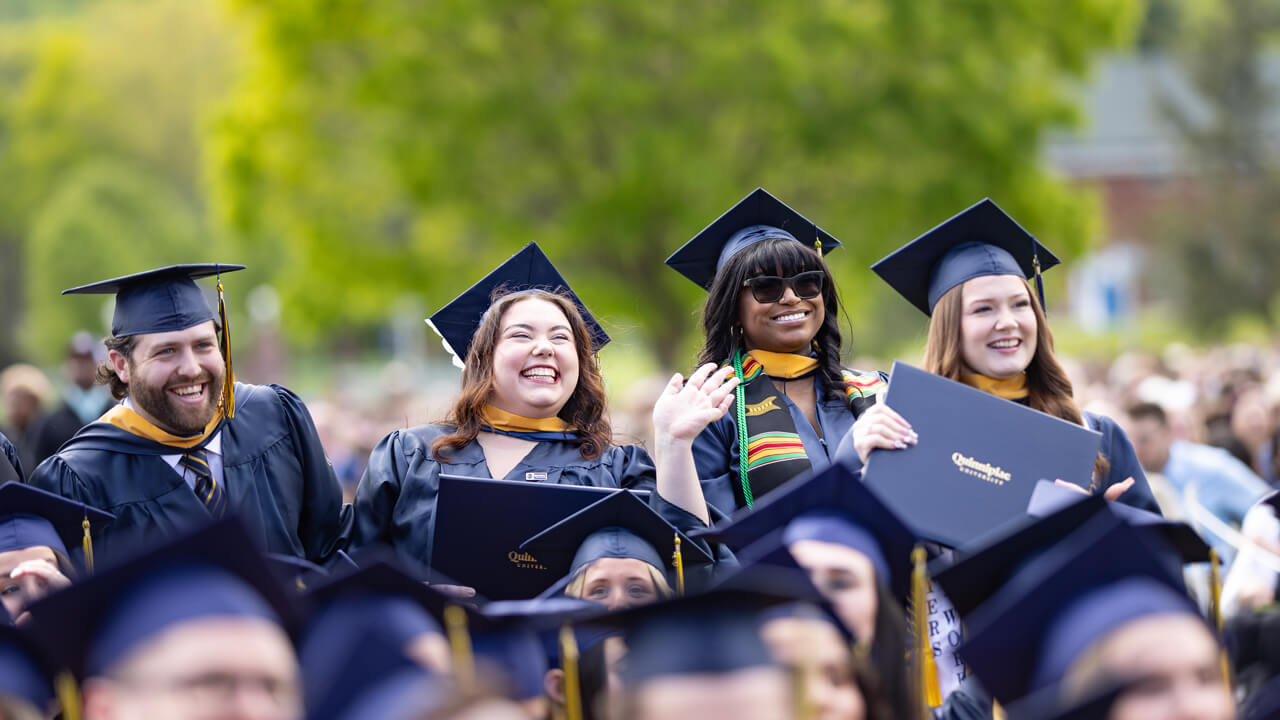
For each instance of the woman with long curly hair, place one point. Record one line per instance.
(532, 408)
(987, 329)
(772, 315)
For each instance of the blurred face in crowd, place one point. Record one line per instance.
(619, 583)
(214, 668)
(535, 361)
(818, 656)
(18, 593)
(997, 325)
(846, 578)
(1151, 440)
(786, 325)
(174, 378)
(759, 693)
(1249, 418)
(1178, 656)
(81, 369)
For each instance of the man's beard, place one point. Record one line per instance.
(169, 413)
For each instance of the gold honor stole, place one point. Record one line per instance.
(499, 419)
(1014, 388)
(130, 421)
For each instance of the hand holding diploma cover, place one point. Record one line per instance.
(977, 460)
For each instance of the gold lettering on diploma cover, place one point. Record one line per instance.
(524, 560)
(769, 404)
(991, 473)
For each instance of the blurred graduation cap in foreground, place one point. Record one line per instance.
(1028, 634)
(981, 240)
(758, 216)
(216, 571)
(529, 269)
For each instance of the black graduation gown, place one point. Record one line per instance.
(395, 501)
(274, 469)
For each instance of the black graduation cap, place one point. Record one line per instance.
(160, 300)
(215, 571)
(294, 572)
(529, 269)
(1049, 497)
(1097, 579)
(30, 516)
(982, 240)
(26, 673)
(362, 675)
(758, 216)
(505, 636)
(832, 505)
(619, 525)
(1047, 704)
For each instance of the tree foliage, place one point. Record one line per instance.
(408, 146)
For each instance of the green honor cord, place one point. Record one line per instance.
(741, 410)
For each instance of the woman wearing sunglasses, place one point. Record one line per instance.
(771, 314)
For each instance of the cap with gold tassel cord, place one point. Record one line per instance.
(1215, 612)
(31, 517)
(619, 525)
(515, 638)
(167, 299)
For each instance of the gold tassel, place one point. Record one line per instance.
(228, 380)
(569, 663)
(1215, 614)
(926, 673)
(69, 696)
(677, 559)
(87, 545)
(997, 712)
(464, 663)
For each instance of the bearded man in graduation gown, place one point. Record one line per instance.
(187, 444)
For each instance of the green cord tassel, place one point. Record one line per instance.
(741, 411)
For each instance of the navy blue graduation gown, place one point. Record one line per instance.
(395, 501)
(715, 450)
(276, 474)
(11, 471)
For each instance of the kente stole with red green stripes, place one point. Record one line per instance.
(774, 452)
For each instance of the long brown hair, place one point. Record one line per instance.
(1048, 387)
(585, 410)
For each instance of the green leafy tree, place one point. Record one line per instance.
(410, 146)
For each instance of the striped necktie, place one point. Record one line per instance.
(207, 488)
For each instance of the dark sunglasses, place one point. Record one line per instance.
(771, 288)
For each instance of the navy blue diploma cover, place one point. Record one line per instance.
(480, 524)
(978, 458)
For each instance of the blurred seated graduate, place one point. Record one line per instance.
(772, 314)
(702, 656)
(988, 330)
(857, 553)
(26, 676)
(620, 553)
(37, 532)
(10, 464)
(1096, 606)
(197, 628)
(187, 444)
(531, 409)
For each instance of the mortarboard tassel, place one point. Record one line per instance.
(87, 545)
(229, 380)
(926, 673)
(740, 405)
(677, 559)
(68, 695)
(569, 663)
(1215, 613)
(1035, 261)
(464, 662)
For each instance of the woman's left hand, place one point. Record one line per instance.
(685, 409)
(1112, 493)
